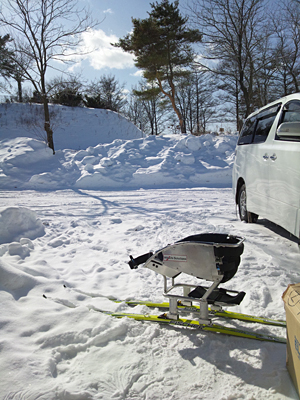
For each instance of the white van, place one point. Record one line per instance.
(266, 172)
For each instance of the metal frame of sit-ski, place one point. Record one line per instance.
(188, 301)
(196, 256)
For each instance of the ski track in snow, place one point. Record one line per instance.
(60, 348)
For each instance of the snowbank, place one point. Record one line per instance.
(151, 162)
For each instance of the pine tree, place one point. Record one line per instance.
(162, 48)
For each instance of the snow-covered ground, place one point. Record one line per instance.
(68, 224)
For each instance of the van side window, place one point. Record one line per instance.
(263, 128)
(291, 112)
(264, 124)
(247, 131)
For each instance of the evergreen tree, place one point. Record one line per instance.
(162, 48)
(68, 97)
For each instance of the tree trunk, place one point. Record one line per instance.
(172, 99)
(237, 108)
(20, 92)
(47, 125)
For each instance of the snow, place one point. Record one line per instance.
(68, 224)
(110, 159)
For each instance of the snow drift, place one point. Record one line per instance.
(116, 156)
(17, 223)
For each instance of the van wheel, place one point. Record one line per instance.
(242, 203)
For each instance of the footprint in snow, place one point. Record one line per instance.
(136, 229)
(116, 220)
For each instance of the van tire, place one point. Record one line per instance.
(242, 203)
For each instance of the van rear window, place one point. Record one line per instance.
(247, 132)
(257, 128)
(263, 128)
(265, 121)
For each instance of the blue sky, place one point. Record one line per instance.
(116, 23)
(114, 17)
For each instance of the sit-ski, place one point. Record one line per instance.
(212, 257)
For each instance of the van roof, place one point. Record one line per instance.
(281, 100)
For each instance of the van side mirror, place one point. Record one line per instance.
(289, 130)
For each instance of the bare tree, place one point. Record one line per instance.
(66, 91)
(135, 112)
(265, 88)
(44, 31)
(195, 97)
(230, 96)
(287, 28)
(106, 93)
(154, 106)
(233, 35)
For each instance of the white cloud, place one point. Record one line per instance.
(108, 11)
(97, 49)
(138, 73)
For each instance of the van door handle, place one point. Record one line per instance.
(273, 157)
(265, 156)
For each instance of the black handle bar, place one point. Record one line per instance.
(135, 262)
